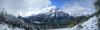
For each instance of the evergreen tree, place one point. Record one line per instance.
(19, 17)
(97, 5)
(3, 14)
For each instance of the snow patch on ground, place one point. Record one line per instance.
(8, 27)
(91, 24)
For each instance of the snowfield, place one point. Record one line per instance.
(8, 27)
(37, 11)
(91, 24)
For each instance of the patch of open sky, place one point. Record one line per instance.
(81, 5)
(69, 3)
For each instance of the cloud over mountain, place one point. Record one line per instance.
(16, 6)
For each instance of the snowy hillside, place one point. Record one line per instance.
(50, 16)
(75, 10)
(37, 11)
(9, 27)
(91, 24)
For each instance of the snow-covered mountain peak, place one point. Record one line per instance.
(38, 11)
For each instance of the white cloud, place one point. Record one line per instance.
(16, 6)
(38, 3)
(80, 7)
(77, 10)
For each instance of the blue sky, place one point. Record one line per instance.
(83, 3)
(58, 3)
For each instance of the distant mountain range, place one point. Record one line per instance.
(52, 18)
(47, 18)
(54, 15)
